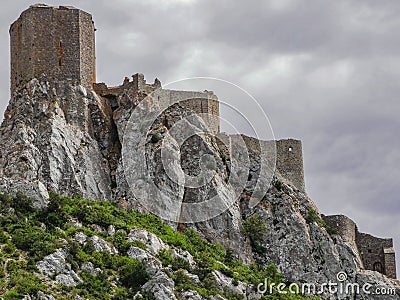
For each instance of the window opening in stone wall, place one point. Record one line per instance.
(290, 149)
(60, 54)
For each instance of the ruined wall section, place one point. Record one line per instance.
(289, 162)
(377, 253)
(343, 226)
(205, 104)
(55, 43)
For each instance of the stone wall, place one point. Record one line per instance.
(204, 103)
(390, 262)
(289, 161)
(54, 43)
(377, 253)
(87, 49)
(343, 226)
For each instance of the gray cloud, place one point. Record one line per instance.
(325, 72)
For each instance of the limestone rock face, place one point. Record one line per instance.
(377, 281)
(151, 263)
(52, 136)
(190, 295)
(101, 245)
(185, 168)
(34, 189)
(154, 244)
(225, 283)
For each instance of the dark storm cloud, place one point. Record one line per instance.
(325, 72)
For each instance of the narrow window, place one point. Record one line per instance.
(290, 149)
(60, 54)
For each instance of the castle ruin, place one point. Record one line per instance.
(59, 44)
(374, 253)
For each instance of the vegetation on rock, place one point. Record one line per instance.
(27, 236)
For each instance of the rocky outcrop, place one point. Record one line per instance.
(54, 265)
(161, 286)
(56, 136)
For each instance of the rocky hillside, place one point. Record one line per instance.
(83, 249)
(65, 139)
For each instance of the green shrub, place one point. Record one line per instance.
(176, 263)
(22, 203)
(27, 283)
(95, 286)
(181, 278)
(24, 229)
(6, 200)
(133, 274)
(229, 256)
(3, 237)
(331, 230)
(34, 240)
(155, 138)
(313, 217)
(255, 228)
(12, 295)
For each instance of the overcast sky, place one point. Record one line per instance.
(325, 72)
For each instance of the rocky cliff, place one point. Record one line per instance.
(156, 157)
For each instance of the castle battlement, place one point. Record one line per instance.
(138, 84)
(204, 103)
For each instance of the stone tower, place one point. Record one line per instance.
(289, 161)
(53, 43)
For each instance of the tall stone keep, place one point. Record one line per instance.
(53, 43)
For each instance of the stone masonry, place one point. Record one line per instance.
(54, 43)
(204, 103)
(289, 161)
